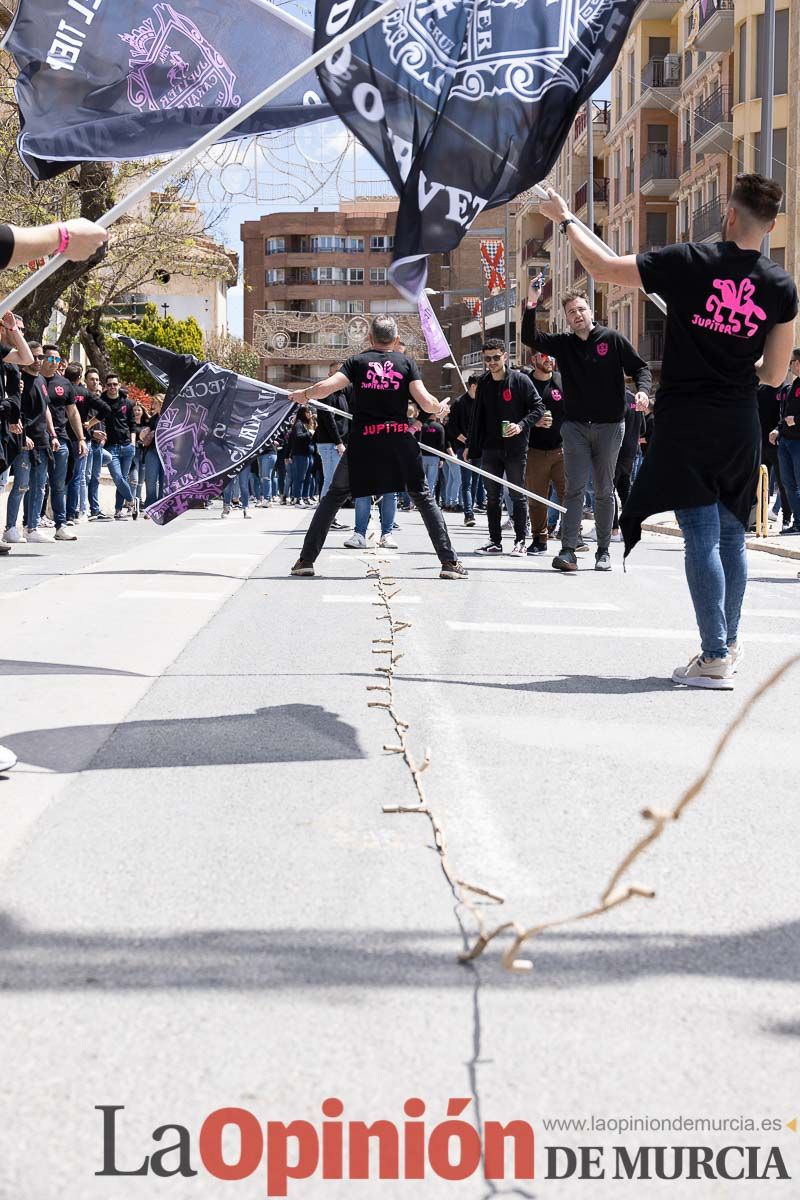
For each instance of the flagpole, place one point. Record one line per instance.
(153, 182)
(461, 462)
(541, 194)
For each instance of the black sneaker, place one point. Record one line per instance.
(302, 568)
(788, 530)
(582, 547)
(489, 548)
(453, 570)
(602, 560)
(566, 560)
(539, 546)
(469, 520)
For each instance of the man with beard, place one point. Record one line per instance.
(545, 464)
(730, 323)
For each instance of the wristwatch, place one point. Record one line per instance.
(563, 224)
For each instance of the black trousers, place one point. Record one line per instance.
(513, 467)
(338, 492)
(769, 456)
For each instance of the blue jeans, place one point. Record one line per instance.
(430, 465)
(153, 477)
(330, 461)
(267, 463)
(469, 481)
(789, 463)
(94, 463)
(452, 484)
(136, 476)
(716, 571)
(57, 472)
(299, 470)
(238, 486)
(29, 476)
(119, 466)
(387, 507)
(74, 485)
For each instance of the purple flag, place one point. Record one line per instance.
(434, 338)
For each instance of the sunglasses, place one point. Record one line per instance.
(38, 358)
(492, 358)
(50, 358)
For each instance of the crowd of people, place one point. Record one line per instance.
(58, 430)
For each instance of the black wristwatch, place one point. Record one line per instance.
(563, 224)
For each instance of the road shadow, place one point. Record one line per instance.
(566, 685)
(283, 733)
(18, 666)
(155, 571)
(303, 958)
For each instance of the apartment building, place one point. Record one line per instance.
(464, 282)
(312, 282)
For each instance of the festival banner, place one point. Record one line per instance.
(102, 80)
(465, 105)
(493, 261)
(212, 423)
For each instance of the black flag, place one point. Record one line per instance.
(212, 423)
(117, 79)
(465, 103)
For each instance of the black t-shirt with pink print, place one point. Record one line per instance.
(722, 302)
(382, 452)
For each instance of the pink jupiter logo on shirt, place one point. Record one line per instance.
(736, 302)
(602, 349)
(555, 394)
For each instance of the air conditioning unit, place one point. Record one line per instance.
(672, 69)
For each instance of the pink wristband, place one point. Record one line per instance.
(64, 238)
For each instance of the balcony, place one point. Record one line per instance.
(662, 77)
(600, 192)
(657, 10)
(601, 117)
(474, 359)
(713, 123)
(658, 172)
(578, 272)
(707, 221)
(547, 293)
(533, 248)
(547, 236)
(651, 347)
(687, 156)
(711, 26)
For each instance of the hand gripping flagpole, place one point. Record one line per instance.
(449, 458)
(207, 141)
(541, 194)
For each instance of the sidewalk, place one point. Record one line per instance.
(780, 546)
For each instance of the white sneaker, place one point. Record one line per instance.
(226, 508)
(387, 542)
(518, 550)
(37, 535)
(65, 535)
(46, 523)
(507, 524)
(714, 673)
(735, 654)
(13, 535)
(7, 758)
(356, 541)
(616, 535)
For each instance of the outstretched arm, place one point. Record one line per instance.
(319, 391)
(602, 265)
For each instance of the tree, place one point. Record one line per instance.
(182, 337)
(233, 354)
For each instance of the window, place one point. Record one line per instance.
(615, 240)
(658, 135)
(757, 151)
(738, 156)
(323, 274)
(381, 242)
(778, 169)
(656, 234)
(626, 321)
(778, 255)
(658, 47)
(685, 216)
(741, 94)
(275, 245)
(353, 306)
(618, 80)
(377, 274)
(629, 237)
(629, 68)
(276, 275)
(355, 275)
(354, 245)
(780, 57)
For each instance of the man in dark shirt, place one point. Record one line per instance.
(332, 436)
(507, 405)
(30, 466)
(382, 454)
(458, 424)
(770, 401)
(787, 438)
(69, 431)
(545, 465)
(728, 309)
(594, 362)
(119, 441)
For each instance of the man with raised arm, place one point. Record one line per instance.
(382, 453)
(730, 324)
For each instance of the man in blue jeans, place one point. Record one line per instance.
(728, 309)
(69, 432)
(119, 441)
(787, 438)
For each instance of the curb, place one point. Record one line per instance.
(751, 543)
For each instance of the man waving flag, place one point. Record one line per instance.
(465, 103)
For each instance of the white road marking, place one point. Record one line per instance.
(596, 631)
(782, 613)
(369, 600)
(571, 607)
(214, 554)
(141, 594)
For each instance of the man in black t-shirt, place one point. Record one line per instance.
(730, 323)
(382, 454)
(69, 431)
(507, 406)
(30, 466)
(119, 423)
(786, 436)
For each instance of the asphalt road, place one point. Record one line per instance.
(203, 905)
